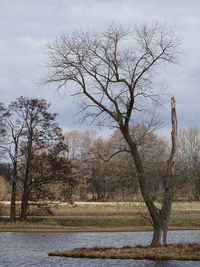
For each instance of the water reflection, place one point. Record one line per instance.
(30, 249)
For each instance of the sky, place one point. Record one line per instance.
(27, 25)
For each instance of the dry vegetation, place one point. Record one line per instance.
(116, 208)
(168, 252)
(102, 216)
(110, 208)
(3, 192)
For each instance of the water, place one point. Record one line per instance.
(30, 249)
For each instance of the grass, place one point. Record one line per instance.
(168, 252)
(108, 208)
(116, 208)
(94, 224)
(104, 216)
(79, 224)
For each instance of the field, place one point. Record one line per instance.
(116, 208)
(102, 216)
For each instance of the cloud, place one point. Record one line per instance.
(27, 25)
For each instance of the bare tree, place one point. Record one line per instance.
(79, 144)
(189, 152)
(79, 151)
(40, 131)
(114, 72)
(11, 146)
(13, 150)
(30, 128)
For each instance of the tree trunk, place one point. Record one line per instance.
(169, 182)
(123, 190)
(13, 191)
(160, 218)
(13, 200)
(158, 237)
(24, 202)
(160, 233)
(25, 194)
(24, 206)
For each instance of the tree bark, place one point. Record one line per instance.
(169, 182)
(158, 237)
(24, 206)
(25, 194)
(13, 191)
(160, 230)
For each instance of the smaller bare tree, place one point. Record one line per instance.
(54, 172)
(11, 146)
(30, 128)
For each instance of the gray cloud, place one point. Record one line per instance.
(26, 26)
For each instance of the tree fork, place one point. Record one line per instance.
(160, 230)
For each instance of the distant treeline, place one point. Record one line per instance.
(106, 171)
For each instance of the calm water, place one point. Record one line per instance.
(30, 249)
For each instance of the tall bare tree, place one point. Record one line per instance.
(114, 72)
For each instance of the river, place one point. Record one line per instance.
(30, 249)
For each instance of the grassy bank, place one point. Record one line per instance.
(104, 216)
(96, 223)
(168, 252)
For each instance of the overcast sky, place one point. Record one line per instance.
(27, 25)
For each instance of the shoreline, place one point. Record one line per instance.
(92, 224)
(40, 229)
